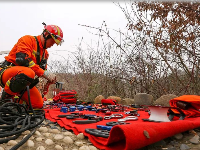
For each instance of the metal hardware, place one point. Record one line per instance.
(113, 116)
(129, 118)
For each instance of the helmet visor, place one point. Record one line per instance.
(57, 39)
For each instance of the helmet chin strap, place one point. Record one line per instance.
(45, 39)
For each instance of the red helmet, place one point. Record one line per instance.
(55, 32)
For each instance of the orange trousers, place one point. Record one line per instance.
(35, 96)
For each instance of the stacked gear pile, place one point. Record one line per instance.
(68, 97)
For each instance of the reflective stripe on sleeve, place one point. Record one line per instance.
(31, 64)
(8, 83)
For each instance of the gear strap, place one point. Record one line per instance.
(38, 53)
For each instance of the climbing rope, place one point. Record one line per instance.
(16, 118)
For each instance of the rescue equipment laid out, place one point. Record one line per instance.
(119, 127)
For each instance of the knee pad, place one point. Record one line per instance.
(19, 82)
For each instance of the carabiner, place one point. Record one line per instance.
(128, 118)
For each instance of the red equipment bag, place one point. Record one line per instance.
(69, 101)
(70, 92)
(65, 97)
(108, 102)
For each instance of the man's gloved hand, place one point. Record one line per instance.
(49, 76)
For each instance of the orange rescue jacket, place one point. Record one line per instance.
(28, 45)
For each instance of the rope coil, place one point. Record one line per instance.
(16, 118)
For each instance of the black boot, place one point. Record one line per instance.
(5, 97)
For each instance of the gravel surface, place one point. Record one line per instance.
(50, 136)
(188, 140)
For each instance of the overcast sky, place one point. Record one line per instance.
(25, 18)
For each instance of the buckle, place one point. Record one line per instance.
(128, 118)
(113, 116)
(114, 123)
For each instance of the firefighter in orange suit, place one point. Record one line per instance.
(26, 62)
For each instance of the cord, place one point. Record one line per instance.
(16, 118)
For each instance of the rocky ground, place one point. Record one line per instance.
(50, 136)
(188, 140)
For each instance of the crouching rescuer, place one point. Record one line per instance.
(26, 62)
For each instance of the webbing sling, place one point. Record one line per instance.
(38, 52)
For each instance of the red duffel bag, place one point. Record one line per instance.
(66, 97)
(108, 102)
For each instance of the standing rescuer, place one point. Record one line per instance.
(26, 62)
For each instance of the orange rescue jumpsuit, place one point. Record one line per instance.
(27, 45)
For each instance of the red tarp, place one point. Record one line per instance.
(129, 136)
